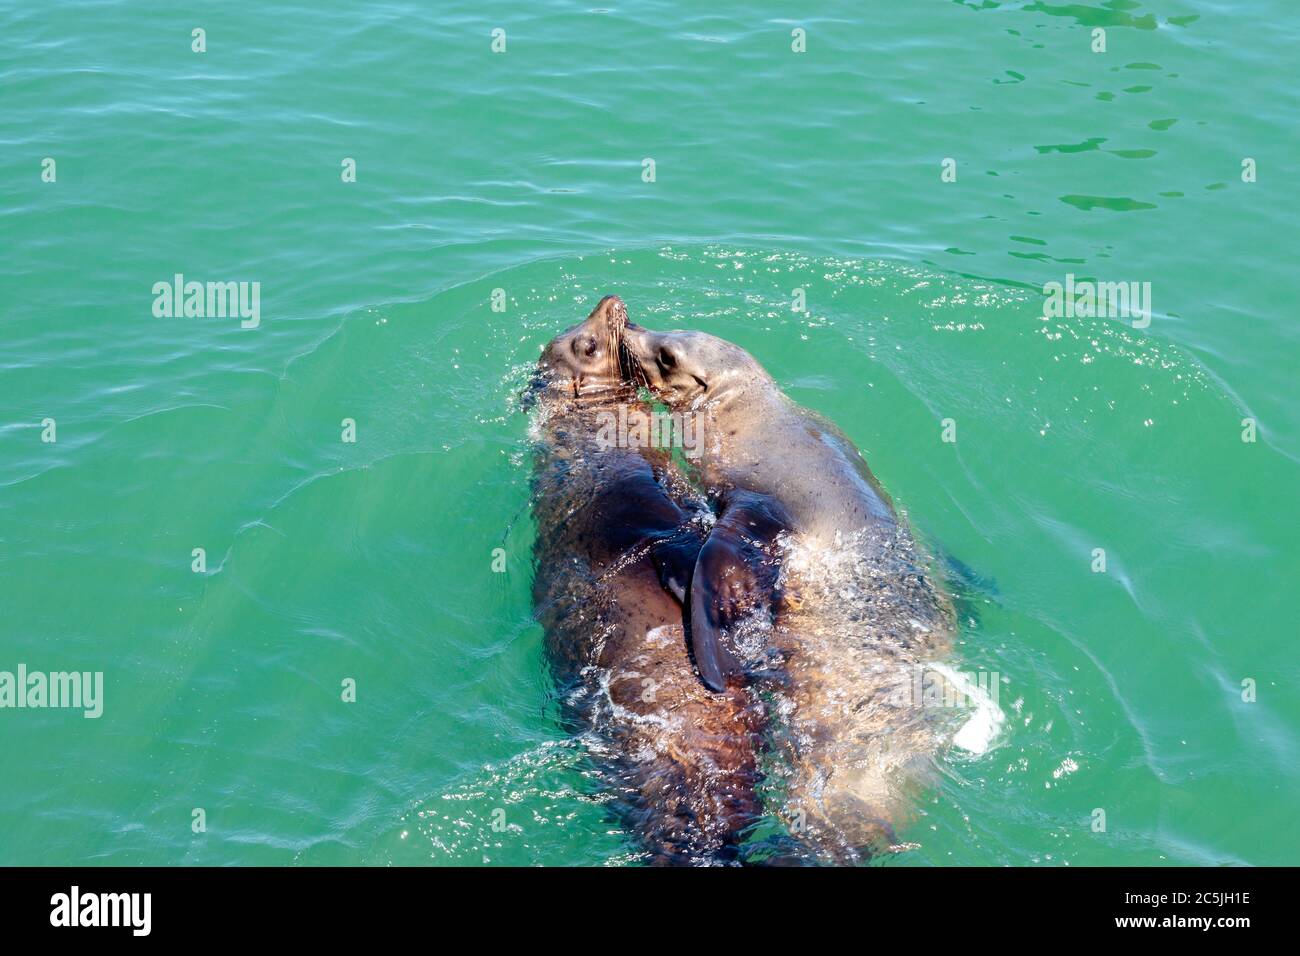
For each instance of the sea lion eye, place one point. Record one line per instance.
(587, 345)
(666, 358)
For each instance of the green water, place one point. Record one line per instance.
(522, 171)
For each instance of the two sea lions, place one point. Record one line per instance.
(806, 593)
(613, 547)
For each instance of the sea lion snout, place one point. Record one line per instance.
(639, 344)
(666, 362)
(611, 312)
(589, 356)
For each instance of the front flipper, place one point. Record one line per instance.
(674, 556)
(734, 578)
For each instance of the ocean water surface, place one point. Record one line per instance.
(525, 171)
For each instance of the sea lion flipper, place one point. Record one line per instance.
(711, 610)
(735, 577)
(674, 559)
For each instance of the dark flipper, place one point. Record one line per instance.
(674, 557)
(718, 568)
(735, 576)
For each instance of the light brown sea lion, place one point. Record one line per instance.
(612, 546)
(854, 611)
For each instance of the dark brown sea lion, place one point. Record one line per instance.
(612, 547)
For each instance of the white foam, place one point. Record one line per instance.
(978, 734)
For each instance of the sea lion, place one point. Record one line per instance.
(613, 547)
(771, 465)
(853, 612)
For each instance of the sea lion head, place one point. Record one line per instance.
(588, 358)
(681, 367)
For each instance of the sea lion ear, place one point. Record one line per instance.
(735, 578)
